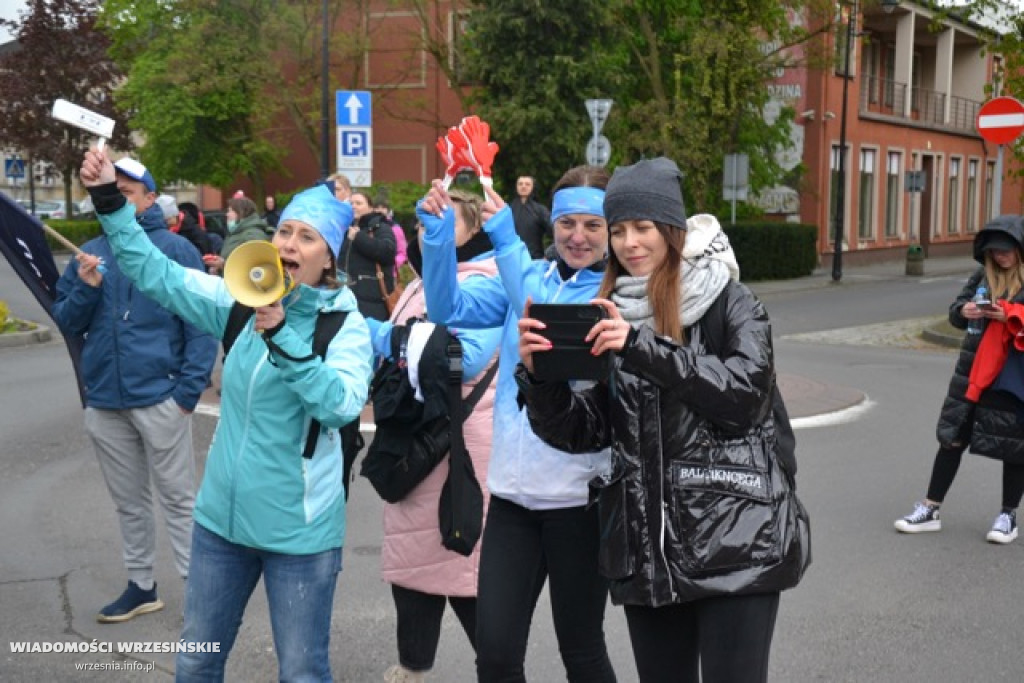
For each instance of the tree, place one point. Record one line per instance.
(60, 54)
(702, 87)
(689, 80)
(536, 61)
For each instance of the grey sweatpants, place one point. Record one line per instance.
(132, 446)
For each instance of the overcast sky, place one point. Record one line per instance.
(9, 10)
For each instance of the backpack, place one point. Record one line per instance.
(327, 325)
(413, 436)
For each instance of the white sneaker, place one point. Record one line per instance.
(1004, 529)
(924, 518)
(399, 674)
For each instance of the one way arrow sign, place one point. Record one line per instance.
(354, 108)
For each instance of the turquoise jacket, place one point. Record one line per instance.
(258, 490)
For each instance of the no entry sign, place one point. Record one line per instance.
(1001, 120)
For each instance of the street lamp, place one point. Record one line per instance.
(325, 101)
(839, 219)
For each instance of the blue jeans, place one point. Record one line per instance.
(300, 594)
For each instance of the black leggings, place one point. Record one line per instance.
(718, 640)
(522, 549)
(419, 624)
(947, 462)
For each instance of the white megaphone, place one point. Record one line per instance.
(254, 274)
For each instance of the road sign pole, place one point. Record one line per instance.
(997, 183)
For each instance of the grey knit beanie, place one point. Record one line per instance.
(647, 190)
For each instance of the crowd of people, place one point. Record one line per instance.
(586, 494)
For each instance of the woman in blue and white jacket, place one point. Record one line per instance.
(538, 525)
(262, 508)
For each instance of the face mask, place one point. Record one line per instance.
(232, 224)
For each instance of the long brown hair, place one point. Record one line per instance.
(1004, 283)
(662, 286)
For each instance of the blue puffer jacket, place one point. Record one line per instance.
(524, 469)
(137, 353)
(258, 490)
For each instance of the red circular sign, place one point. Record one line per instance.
(1001, 120)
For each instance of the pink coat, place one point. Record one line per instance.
(412, 555)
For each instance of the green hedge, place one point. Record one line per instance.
(77, 231)
(774, 251)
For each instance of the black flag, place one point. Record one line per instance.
(23, 244)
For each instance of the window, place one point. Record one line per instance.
(990, 172)
(953, 201)
(833, 195)
(842, 34)
(972, 195)
(892, 194)
(458, 25)
(866, 205)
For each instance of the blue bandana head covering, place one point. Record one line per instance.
(588, 200)
(318, 208)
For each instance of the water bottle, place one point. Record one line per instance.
(977, 325)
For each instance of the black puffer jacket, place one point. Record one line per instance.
(672, 408)
(374, 244)
(957, 415)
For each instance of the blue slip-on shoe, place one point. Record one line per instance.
(133, 602)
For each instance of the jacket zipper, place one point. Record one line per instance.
(241, 448)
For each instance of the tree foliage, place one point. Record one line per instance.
(689, 80)
(197, 75)
(59, 54)
(536, 61)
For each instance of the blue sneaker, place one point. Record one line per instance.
(133, 602)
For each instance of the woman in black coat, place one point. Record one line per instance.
(691, 537)
(998, 247)
(369, 257)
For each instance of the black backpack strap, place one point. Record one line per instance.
(327, 325)
(478, 390)
(237, 320)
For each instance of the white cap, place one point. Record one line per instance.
(168, 206)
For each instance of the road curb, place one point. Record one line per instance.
(40, 335)
(935, 334)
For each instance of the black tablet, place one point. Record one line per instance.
(569, 357)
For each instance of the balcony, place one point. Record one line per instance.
(885, 100)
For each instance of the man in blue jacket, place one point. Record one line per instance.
(144, 370)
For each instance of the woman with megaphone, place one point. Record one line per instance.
(263, 508)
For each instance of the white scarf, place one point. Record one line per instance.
(708, 264)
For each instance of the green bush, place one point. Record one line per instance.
(774, 251)
(77, 231)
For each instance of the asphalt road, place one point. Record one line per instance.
(875, 606)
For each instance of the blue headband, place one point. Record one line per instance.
(588, 200)
(318, 208)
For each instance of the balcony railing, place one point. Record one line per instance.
(927, 107)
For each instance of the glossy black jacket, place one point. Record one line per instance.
(667, 403)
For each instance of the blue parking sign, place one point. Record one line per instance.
(14, 168)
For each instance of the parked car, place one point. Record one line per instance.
(45, 208)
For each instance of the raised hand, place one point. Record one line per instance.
(97, 169)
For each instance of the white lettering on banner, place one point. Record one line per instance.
(28, 257)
